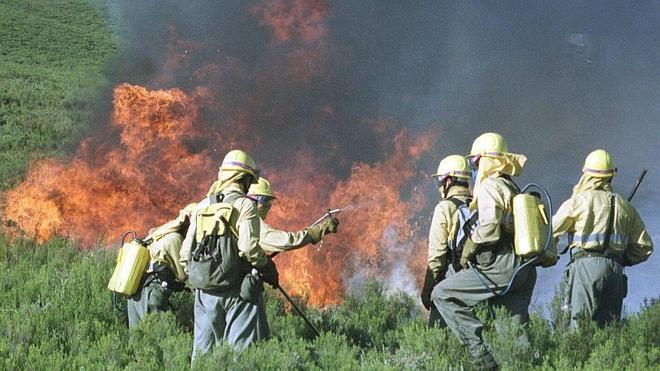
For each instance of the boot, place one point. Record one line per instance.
(482, 359)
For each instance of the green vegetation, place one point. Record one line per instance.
(51, 57)
(56, 313)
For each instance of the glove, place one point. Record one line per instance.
(427, 289)
(468, 253)
(329, 225)
(269, 274)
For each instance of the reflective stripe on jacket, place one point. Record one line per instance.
(585, 216)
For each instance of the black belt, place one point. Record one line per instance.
(616, 256)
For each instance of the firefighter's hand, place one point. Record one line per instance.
(426, 299)
(468, 254)
(330, 225)
(429, 283)
(269, 274)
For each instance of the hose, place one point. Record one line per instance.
(309, 323)
(548, 240)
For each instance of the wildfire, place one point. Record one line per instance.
(161, 148)
(108, 188)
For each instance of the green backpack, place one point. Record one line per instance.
(214, 264)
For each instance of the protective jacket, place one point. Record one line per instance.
(248, 225)
(444, 226)
(164, 252)
(275, 240)
(495, 205)
(585, 217)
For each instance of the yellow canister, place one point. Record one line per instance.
(531, 225)
(131, 263)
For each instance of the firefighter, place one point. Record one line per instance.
(274, 240)
(164, 274)
(490, 251)
(607, 234)
(443, 257)
(235, 315)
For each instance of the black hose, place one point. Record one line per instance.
(298, 310)
(548, 241)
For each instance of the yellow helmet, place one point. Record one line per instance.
(454, 165)
(238, 160)
(261, 188)
(489, 144)
(599, 164)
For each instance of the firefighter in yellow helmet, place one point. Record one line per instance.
(274, 240)
(443, 253)
(606, 234)
(234, 315)
(490, 251)
(164, 273)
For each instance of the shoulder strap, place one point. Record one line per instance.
(455, 201)
(610, 223)
(513, 186)
(458, 203)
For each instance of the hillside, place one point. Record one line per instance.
(51, 58)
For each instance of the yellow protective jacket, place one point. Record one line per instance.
(495, 205)
(164, 251)
(584, 216)
(444, 226)
(248, 225)
(275, 240)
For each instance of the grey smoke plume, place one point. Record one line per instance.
(558, 79)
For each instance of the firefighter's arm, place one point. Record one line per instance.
(172, 247)
(438, 237)
(189, 239)
(187, 244)
(275, 240)
(563, 221)
(248, 226)
(490, 202)
(641, 246)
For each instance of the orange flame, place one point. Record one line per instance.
(160, 151)
(107, 189)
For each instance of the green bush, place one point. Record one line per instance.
(56, 313)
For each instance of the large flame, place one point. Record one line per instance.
(161, 148)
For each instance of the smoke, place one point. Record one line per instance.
(315, 90)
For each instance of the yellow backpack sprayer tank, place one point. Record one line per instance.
(532, 236)
(132, 261)
(531, 225)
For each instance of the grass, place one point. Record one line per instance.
(51, 60)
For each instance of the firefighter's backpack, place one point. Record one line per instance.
(214, 264)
